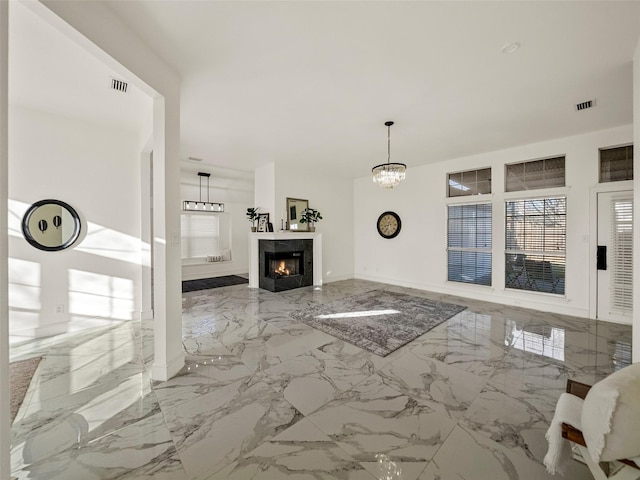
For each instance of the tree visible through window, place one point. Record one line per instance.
(469, 243)
(536, 244)
(471, 182)
(535, 174)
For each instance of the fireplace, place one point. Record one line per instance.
(285, 264)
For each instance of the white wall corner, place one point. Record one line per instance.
(146, 239)
(5, 424)
(265, 191)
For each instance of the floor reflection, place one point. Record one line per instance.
(547, 342)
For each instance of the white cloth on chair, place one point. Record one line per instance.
(611, 416)
(568, 410)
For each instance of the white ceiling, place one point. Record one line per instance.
(49, 72)
(313, 82)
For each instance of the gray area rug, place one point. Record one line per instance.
(20, 375)
(378, 321)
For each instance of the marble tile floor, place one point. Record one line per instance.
(265, 397)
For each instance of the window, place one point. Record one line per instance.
(205, 234)
(536, 244)
(621, 258)
(535, 174)
(616, 164)
(469, 243)
(472, 182)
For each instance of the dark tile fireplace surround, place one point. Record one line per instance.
(285, 264)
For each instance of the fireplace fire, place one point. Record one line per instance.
(284, 264)
(282, 269)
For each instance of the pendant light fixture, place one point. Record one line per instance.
(389, 174)
(201, 206)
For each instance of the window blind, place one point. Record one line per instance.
(200, 234)
(469, 243)
(621, 264)
(621, 355)
(616, 164)
(536, 244)
(535, 174)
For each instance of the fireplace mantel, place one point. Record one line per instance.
(254, 257)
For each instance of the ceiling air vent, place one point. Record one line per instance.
(585, 105)
(119, 85)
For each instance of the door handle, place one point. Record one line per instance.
(601, 257)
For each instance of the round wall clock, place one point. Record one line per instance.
(389, 225)
(51, 225)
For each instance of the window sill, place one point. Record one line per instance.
(188, 262)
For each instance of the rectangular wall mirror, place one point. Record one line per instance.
(295, 206)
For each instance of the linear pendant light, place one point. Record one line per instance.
(202, 206)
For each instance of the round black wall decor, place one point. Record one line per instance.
(389, 225)
(51, 225)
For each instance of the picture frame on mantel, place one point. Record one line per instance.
(295, 207)
(263, 222)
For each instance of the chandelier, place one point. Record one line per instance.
(388, 175)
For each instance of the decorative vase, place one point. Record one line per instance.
(254, 229)
(312, 229)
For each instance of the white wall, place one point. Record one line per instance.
(97, 171)
(417, 257)
(264, 192)
(334, 199)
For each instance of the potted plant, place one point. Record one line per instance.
(310, 216)
(252, 216)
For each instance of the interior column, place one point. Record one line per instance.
(167, 268)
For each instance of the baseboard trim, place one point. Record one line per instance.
(75, 325)
(337, 278)
(488, 294)
(163, 373)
